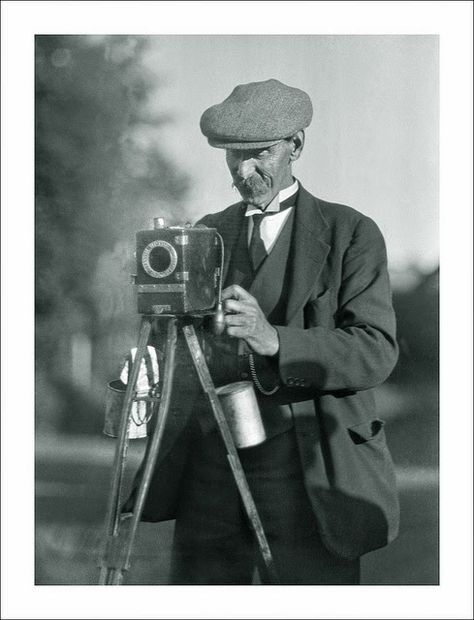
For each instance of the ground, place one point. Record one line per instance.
(73, 477)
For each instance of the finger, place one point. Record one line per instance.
(236, 292)
(237, 332)
(236, 320)
(232, 305)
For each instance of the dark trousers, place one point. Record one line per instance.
(213, 543)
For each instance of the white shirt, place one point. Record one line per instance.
(272, 225)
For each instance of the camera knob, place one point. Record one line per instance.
(218, 323)
(158, 222)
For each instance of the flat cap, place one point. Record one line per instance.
(257, 115)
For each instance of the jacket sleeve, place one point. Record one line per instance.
(361, 350)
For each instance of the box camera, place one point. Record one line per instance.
(178, 269)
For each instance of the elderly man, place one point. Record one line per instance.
(309, 320)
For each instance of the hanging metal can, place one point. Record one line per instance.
(142, 411)
(242, 413)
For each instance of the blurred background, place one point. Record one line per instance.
(118, 143)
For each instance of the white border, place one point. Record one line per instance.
(453, 21)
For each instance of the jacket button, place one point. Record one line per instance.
(244, 375)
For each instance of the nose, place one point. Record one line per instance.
(245, 167)
(240, 163)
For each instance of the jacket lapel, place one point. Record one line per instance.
(310, 251)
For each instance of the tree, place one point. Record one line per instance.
(95, 185)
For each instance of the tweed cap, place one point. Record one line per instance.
(257, 115)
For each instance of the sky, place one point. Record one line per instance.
(373, 141)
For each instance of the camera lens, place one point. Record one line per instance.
(160, 259)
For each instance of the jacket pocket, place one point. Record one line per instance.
(366, 431)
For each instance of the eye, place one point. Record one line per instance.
(262, 154)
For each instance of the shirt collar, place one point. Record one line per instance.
(274, 206)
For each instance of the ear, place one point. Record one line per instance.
(297, 143)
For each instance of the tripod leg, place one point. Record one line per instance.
(234, 461)
(122, 542)
(112, 519)
(156, 440)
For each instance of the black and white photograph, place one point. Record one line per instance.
(235, 293)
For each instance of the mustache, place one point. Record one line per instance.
(253, 183)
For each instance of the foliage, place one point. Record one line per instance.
(88, 181)
(97, 179)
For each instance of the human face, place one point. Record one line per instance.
(259, 174)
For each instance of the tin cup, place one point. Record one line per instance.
(240, 406)
(140, 415)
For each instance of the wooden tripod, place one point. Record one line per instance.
(120, 534)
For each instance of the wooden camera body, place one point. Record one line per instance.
(178, 269)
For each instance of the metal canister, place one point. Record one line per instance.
(140, 415)
(242, 413)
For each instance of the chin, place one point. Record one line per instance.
(254, 195)
(257, 201)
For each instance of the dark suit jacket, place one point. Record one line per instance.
(337, 342)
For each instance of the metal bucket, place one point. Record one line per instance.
(242, 413)
(140, 415)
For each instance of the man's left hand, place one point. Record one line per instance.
(244, 319)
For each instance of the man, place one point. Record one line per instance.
(309, 321)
